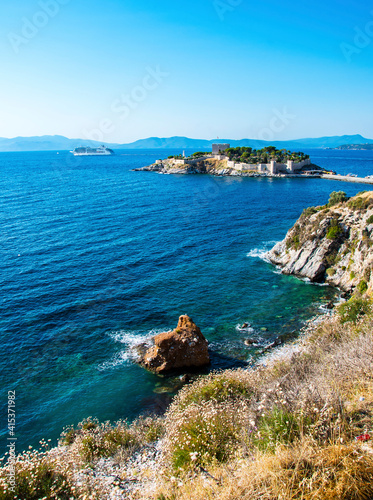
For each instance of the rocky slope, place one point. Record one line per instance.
(222, 167)
(209, 166)
(331, 244)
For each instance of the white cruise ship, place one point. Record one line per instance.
(87, 151)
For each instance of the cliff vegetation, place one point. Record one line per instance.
(331, 243)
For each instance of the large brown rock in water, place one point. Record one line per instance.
(184, 347)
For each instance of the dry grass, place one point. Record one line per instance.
(303, 471)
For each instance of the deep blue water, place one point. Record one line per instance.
(95, 256)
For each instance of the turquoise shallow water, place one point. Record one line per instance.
(94, 257)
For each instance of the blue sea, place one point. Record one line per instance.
(96, 257)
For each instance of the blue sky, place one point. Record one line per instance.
(121, 70)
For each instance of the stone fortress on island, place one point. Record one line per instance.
(229, 161)
(272, 168)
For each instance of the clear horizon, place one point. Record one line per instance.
(118, 72)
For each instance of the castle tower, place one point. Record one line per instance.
(273, 168)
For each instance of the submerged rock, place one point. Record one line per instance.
(184, 347)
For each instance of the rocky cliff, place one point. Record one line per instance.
(210, 166)
(332, 243)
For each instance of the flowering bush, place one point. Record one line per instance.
(205, 433)
(37, 477)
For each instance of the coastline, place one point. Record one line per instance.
(145, 470)
(347, 178)
(142, 469)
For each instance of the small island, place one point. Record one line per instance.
(240, 161)
(356, 147)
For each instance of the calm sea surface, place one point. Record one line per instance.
(95, 257)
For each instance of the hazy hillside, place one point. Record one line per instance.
(57, 142)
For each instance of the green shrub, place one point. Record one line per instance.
(219, 388)
(365, 234)
(359, 203)
(307, 212)
(330, 271)
(370, 220)
(353, 309)
(88, 424)
(105, 442)
(206, 438)
(367, 273)
(352, 274)
(362, 287)
(89, 450)
(333, 258)
(199, 154)
(117, 437)
(68, 436)
(334, 232)
(37, 478)
(293, 242)
(278, 427)
(154, 432)
(337, 197)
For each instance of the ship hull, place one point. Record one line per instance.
(92, 154)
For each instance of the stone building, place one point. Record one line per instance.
(219, 148)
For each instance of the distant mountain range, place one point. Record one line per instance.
(60, 143)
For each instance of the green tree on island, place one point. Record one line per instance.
(249, 155)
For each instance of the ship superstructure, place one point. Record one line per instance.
(88, 151)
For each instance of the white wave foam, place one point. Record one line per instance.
(257, 253)
(261, 252)
(277, 270)
(248, 329)
(130, 339)
(133, 338)
(122, 358)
